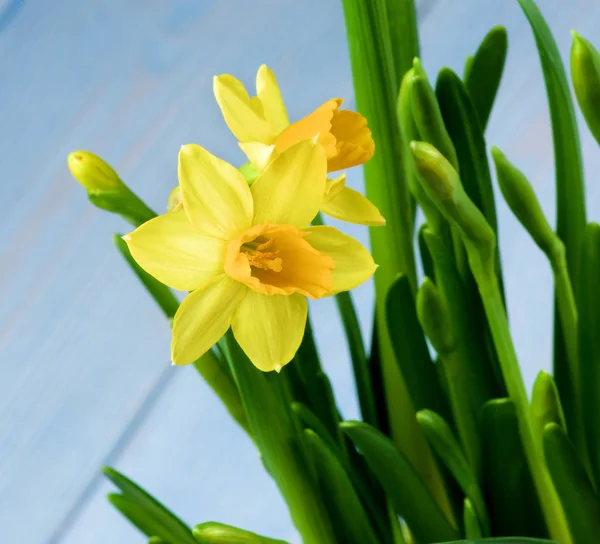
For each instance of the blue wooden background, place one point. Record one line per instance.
(84, 353)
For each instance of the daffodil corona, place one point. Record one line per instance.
(247, 254)
(261, 125)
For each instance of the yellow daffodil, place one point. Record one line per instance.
(261, 125)
(247, 254)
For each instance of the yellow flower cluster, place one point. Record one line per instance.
(247, 253)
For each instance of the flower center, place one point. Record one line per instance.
(277, 260)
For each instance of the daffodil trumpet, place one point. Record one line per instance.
(263, 129)
(248, 254)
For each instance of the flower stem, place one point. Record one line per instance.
(494, 309)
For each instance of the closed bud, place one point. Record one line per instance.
(434, 317)
(585, 73)
(218, 533)
(427, 114)
(93, 173)
(442, 183)
(545, 403)
(521, 199)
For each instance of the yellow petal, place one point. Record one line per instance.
(291, 189)
(203, 317)
(349, 205)
(353, 262)
(169, 248)
(270, 328)
(272, 102)
(215, 194)
(354, 142)
(258, 154)
(244, 115)
(317, 123)
(174, 202)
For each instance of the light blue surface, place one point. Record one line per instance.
(84, 373)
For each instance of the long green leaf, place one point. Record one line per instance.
(145, 512)
(367, 30)
(484, 73)
(442, 440)
(508, 486)
(510, 540)
(580, 502)
(350, 520)
(411, 350)
(570, 195)
(407, 492)
(589, 343)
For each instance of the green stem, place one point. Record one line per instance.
(494, 309)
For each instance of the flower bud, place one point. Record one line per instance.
(434, 317)
(585, 73)
(442, 183)
(522, 201)
(218, 533)
(427, 115)
(93, 173)
(545, 403)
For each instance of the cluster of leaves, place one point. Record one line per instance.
(450, 446)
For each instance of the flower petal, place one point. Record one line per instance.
(258, 154)
(244, 115)
(349, 205)
(354, 142)
(272, 102)
(215, 194)
(291, 189)
(203, 317)
(317, 123)
(270, 328)
(353, 262)
(169, 248)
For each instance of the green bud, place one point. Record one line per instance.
(521, 199)
(427, 115)
(174, 199)
(442, 183)
(92, 172)
(545, 403)
(434, 317)
(585, 73)
(218, 533)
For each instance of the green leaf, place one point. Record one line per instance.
(509, 540)
(570, 193)
(407, 492)
(484, 72)
(574, 488)
(508, 486)
(403, 35)
(212, 532)
(349, 519)
(470, 521)
(589, 342)
(411, 350)
(426, 259)
(162, 294)
(145, 512)
(442, 440)
(570, 197)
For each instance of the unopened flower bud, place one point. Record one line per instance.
(521, 199)
(93, 173)
(434, 317)
(218, 533)
(585, 73)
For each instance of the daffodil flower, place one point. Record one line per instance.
(247, 254)
(261, 125)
